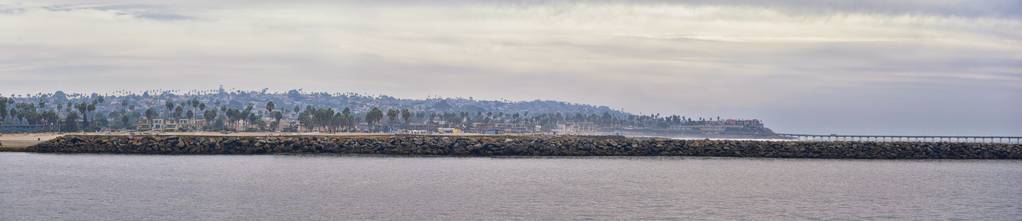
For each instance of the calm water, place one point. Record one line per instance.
(121, 187)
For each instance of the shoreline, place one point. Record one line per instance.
(515, 146)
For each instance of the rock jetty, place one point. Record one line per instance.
(521, 146)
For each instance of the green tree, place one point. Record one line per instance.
(100, 122)
(347, 120)
(277, 115)
(247, 111)
(193, 104)
(116, 116)
(83, 108)
(270, 106)
(71, 122)
(91, 108)
(26, 112)
(374, 116)
(125, 121)
(406, 115)
(150, 114)
(232, 115)
(209, 115)
(392, 115)
(178, 111)
(169, 105)
(4, 105)
(51, 119)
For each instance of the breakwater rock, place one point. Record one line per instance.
(521, 146)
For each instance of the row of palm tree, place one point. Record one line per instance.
(82, 110)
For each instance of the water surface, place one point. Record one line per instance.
(289, 187)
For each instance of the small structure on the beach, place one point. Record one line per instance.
(449, 130)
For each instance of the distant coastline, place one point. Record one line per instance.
(518, 145)
(300, 112)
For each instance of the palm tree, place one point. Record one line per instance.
(194, 103)
(150, 114)
(374, 116)
(392, 115)
(89, 109)
(346, 118)
(276, 117)
(170, 106)
(270, 106)
(125, 121)
(70, 122)
(210, 115)
(4, 103)
(406, 115)
(83, 108)
(178, 111)
(232, 116)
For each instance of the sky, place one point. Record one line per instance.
(908, 67)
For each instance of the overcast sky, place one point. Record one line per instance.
(942, 67)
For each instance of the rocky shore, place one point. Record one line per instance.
(520, 146)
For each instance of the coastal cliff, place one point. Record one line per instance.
(520, 146)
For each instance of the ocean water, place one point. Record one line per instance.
(318, 187)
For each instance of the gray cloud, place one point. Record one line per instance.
(910, 67)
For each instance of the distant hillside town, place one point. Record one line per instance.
(297, 111)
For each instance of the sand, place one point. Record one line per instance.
(18, 142)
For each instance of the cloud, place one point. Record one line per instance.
(688, 57)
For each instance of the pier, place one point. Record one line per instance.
(906, 138)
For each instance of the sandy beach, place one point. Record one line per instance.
(18, 142)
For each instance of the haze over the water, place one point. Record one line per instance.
(941, 67)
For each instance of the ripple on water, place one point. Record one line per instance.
(282, 187)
